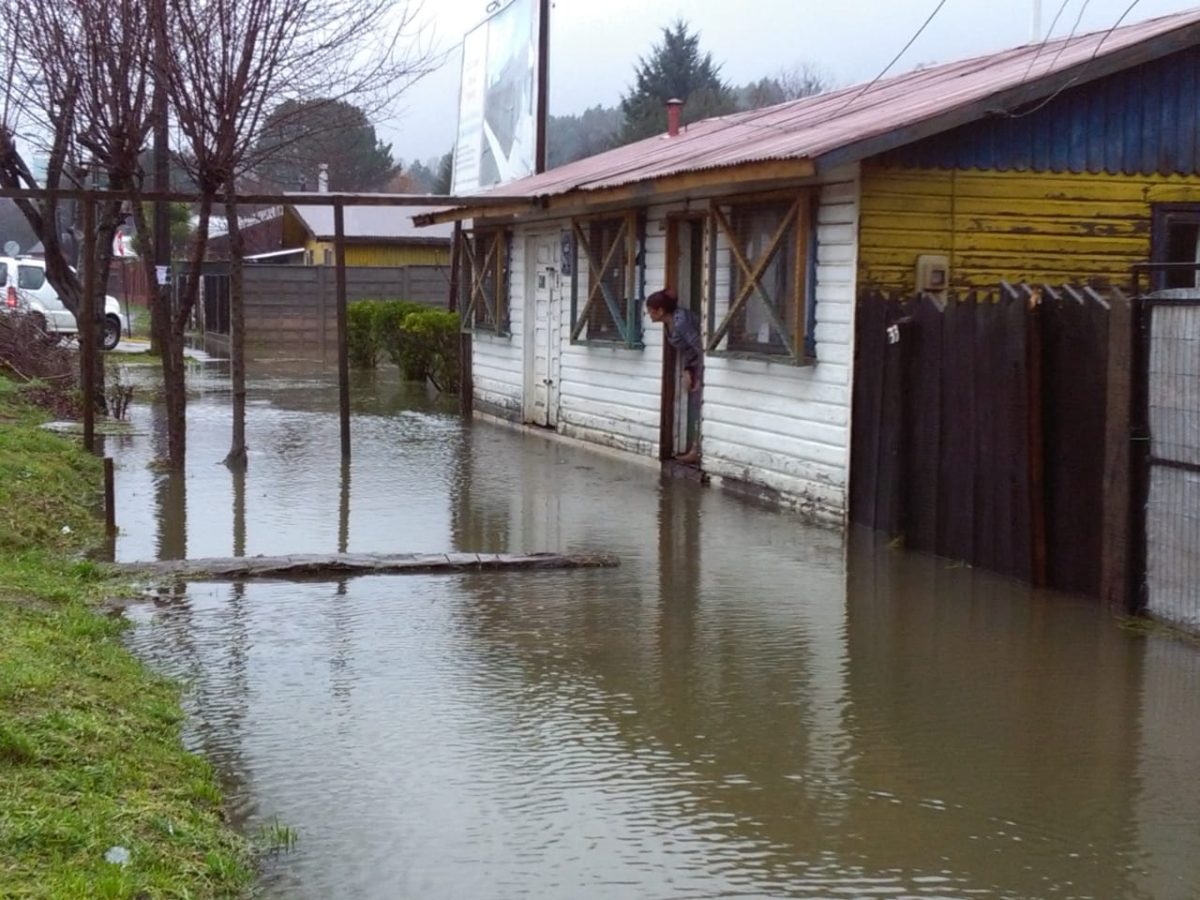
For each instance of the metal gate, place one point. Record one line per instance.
(1170, 414)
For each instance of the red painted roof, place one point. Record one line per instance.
(812, 127)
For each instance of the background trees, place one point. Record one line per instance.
(675, 68)
(300, 135)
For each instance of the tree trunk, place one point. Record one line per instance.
(174, 371)
(237, 334)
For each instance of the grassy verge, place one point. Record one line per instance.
(90, 751)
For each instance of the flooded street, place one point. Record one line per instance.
(745, 708)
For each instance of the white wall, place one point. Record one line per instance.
(786, 427)
(612, 395)
(497, 360)
(774, 428)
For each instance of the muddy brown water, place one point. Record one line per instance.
(747, 707)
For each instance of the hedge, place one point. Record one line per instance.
(421, 341)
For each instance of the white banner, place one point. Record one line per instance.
(497, 114)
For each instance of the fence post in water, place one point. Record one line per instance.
(1116, 579)
(466, 386)
(339, 253)
(110, 497)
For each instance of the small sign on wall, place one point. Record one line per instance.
(566, 253)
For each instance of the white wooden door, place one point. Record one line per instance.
(544, 331)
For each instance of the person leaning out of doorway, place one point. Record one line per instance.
(682, 330)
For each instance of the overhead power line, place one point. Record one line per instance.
(1073, 81)
(912, 40)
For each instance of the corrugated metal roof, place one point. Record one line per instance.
(387, 223)
(813, 127)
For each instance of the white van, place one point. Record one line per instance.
(25, 289)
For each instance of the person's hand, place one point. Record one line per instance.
(690, 381)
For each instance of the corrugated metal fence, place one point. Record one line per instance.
(979, 427)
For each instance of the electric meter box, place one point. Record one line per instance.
(933, 273)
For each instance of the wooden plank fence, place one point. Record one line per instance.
(979, 428)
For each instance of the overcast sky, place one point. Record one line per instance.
(595, 44)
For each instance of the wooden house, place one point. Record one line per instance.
(374, 236)
(1067, 162)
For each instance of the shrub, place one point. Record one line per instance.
(362, 341)
(373, 327)
(49, 368)
(398, 343)
(432, 337)
(422, 342)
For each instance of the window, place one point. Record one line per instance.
(1176, 240)
(30, 278)
(308, 257)
(483, 291)
(328, 256)
(607, 274)
(762, 295)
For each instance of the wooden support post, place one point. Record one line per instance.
(85, 321)
(466, 381)
(666, 414)
(110, 497)
(343, 363)
(455, 267)
(1116, 576)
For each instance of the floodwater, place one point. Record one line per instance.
(745, 708)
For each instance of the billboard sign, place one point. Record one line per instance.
(497, 114)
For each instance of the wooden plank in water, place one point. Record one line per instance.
(344, 565)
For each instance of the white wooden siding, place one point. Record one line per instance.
(782, 427)
(779, 429)
(611, 395)
(498, 361)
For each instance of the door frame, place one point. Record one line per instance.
(553, 326)
(668, 410)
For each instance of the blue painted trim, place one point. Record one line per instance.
(1143, 121)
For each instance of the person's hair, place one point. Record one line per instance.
(664, 300)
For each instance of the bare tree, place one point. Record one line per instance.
(234, 61)
(77, 85)
(804, 80)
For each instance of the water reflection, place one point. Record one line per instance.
(746, 707)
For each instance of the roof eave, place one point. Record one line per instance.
(746, 175)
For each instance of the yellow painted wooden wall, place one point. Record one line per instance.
(1016, 226)
(383, 254)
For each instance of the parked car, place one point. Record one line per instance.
(26, 290)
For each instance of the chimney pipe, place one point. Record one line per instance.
(674, 116)
(323, 178)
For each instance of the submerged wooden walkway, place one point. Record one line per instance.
(346, 565)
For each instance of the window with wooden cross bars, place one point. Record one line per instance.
(484, 279)
(762, 291)
(606, 280)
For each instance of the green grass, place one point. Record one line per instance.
(90, 749)
(134, 357)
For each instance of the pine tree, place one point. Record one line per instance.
(675, 69)
(299, 136)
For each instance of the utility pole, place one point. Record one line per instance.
(1036, 36)
(162, 168)
(543, 84)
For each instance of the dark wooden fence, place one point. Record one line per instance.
(979, 428)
